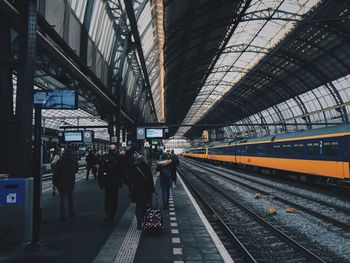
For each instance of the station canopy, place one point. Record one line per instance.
(256, 62)
(110, 52)
(231, 63)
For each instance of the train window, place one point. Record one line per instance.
(260, 150)
(276, 149)
(222, 151)
(231, 150)
(298, 149)
(251, 149)
(330, 148)
(287, 149)
(313, 148)
(268, 149)
(244, 148)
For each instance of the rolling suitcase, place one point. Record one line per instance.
(153, 219)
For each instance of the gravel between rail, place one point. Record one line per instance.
(324, 237)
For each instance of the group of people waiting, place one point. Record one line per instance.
(128, 167)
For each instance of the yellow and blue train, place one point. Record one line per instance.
(322, 152)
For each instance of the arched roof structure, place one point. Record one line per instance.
(232, 63)
(276, 62)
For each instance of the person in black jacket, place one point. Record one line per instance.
(64, 180)
(142, 187)
(90, 164)
(125, 169)
(164, 168)
(109, 179)
(174, 163)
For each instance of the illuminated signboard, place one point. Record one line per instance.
(154, 133)
(66, 99)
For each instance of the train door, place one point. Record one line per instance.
(233, 152)
(238, 153)
(346, 151)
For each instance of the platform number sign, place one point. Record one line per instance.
(141, 133)
(11, 198)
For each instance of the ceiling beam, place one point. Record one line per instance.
(135, 32)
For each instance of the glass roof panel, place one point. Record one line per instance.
(150, 26)
(55, 118)
(343, 86)
(79, 7)
(264, 33)
(97, 14)
(319, 103)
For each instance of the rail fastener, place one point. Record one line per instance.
(290, 210)
(258, 195)
(272, 210)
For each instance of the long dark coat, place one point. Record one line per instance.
(142, 185)
(64, 172)
(109, 174)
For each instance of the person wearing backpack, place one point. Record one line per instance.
(109, 179)
(164, 168)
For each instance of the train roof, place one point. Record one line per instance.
(337, 129)
(307, 133)
(345, 128)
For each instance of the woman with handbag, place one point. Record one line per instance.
(142, 187)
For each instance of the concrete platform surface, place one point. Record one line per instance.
(186, 237)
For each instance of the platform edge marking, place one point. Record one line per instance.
(216, 240)
(110, 249)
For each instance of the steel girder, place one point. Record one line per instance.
(230, 29)
(320, 48)
(271, 14)
(85, 31)
(313, 70)
(119, 15)
(133, 24)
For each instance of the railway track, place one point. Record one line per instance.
(237, 179)
(257, 240)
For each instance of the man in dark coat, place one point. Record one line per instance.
(142, 187)
(109, 179)
(125, 169)
(164, 168)
(91, 164)
(64, 180)
(174, 163)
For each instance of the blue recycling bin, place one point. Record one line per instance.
(16, 209)
(12, 191)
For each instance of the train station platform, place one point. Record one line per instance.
(187, 237)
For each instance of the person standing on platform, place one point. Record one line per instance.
(174, 163)
(164, 168)
(64, 180)
(125, 169)
(109, 179)
(142, 187)
(55, 159)
(91, 164)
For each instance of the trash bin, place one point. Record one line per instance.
(16, 209)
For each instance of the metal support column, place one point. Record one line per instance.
(16, 125)
(37, 178)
